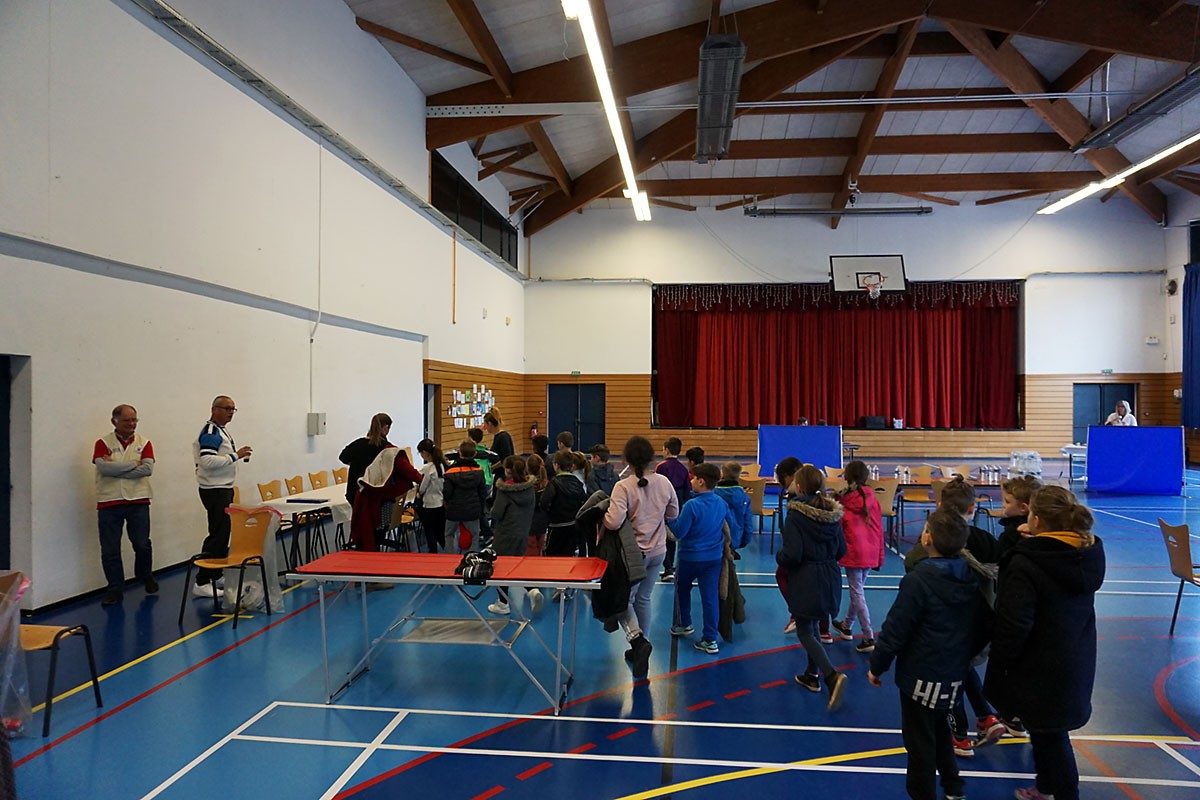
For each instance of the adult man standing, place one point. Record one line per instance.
(1122, 416)
(216, 458)
(124, 462)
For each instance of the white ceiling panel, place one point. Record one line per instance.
(1048, 58)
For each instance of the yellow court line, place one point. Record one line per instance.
(838, 759)
(88, 684)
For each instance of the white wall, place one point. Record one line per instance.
(117, 144)
(591, 327)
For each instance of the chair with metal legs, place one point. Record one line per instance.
(48, 637)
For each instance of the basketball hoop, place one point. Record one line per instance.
(873, 288)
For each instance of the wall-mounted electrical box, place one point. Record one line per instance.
(316, 423)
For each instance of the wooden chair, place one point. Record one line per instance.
(919, 495)
(836, 485)
(834, 472)
(1179, 552)
(270, 491)
(318, 480)
(885, 493)
(274, 491)
(341, 475)
(48, 637)
(247, 529)
(237, 496)
(294, 485)
(751, 471)
(756, 489)
(948, 472)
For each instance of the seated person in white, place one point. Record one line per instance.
(1122, 416)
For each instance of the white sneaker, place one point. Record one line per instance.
(498, 608)
(535, 600)
(205, 590)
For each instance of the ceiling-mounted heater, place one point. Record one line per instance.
(721, 58)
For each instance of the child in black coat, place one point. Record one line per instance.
(936, 625)
(1043, 662)
(1015, 494)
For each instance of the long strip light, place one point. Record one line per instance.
(581, 10)
(1116, 180)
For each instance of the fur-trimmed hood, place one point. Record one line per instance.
(826, 517)
(526, 485)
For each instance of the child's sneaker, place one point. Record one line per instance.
(837, 687)
(810, 682)
(707, 646)
(826, 638)
(1031, 793)
(791, 626)
(843, 629)
(682, 630)
(963, 747)
(865, 646)
(498, 608)
(668, 576)
(956, 797)
(1014, 728)
(990, 730)
(536, 600)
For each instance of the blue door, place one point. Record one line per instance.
(577, 408)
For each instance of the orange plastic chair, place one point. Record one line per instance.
(294, 485)
(269, 491)
(834, 472)
(319, 480)
(885, 493)
(47, 637)
(341, 475)
(237, 496)
(1179, 553)
(247, 529)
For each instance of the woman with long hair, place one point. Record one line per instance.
(502, 442)
(359, 454)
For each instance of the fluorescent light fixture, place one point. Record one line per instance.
(1144, 113)
(1119, 178)
(582, 10)
(755, 211)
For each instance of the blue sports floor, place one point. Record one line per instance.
(210, 712)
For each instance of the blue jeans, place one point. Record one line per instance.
(707, 574)
(135, 517)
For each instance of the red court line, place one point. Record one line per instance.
(772, 684)
(1087, 753)
(492, 792)
(737, 694)
(583, 748)
(546, 712)
(702, 704)
(529, 773)
(1160, 694)
(621, 734)
(157, 687)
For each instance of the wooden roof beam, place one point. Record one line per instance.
(522, 152)
(658, 201)
(918, 144)
(1019, 75)
(1191, 186)
(760, 83)
(546, 149)
(745, 201)
(1004, 198)
(884, 87)
(413, 43)
(871, 184)
(485, 44)
(443, 131)
(1186, 156)
(932, 198)
(1084, 67)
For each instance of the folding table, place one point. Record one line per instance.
(434, 572)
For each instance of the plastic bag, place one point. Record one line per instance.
(15, 708)
(252, 595)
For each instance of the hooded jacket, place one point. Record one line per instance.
(1009, 535)
(1043, 660)
(741, 520)
(862, 525)
(605, 477)
(512, 517)
(937, 624)
(562, 499)
(463, 491)
(812, 545)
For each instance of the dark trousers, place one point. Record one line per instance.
(1054, 761)
(818, 659)
(433, 521)
(707, 574)
(926, 733)
(669, 561)
(216, 544)
(562, 540)
(135, 518)
(973, 689)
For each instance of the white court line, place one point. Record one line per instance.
(198, 760)
(732, 764)
(1194, 769)
(1122, 516)
(357, 763)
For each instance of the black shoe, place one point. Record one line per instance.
(111, 598)
(810, 682)
(629, 654)
(641, 648)
(151, 585)
(667, 577)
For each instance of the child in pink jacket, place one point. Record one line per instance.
(862, 525)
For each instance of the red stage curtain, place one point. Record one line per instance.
(939, 356)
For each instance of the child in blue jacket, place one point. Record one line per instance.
(700, 532)
(730, 490)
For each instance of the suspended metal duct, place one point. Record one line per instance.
(1145, 112)
(721, 58)
(755, 211)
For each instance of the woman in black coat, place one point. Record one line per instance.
(1043, 658)
(812, 544)
(502, 443)
(359, 454)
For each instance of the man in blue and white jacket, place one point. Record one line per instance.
(216, 457)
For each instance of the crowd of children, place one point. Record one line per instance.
(1021, 603)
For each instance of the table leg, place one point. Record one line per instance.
(324, 640)
(366, 632)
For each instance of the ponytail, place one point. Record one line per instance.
(1058, 510)
(638, 453)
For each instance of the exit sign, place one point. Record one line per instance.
(575, 373)
(1106, 372)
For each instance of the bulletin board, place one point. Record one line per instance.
(467, 406)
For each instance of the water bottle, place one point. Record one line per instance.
(897, 473)
(907, 475)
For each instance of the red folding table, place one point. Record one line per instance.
(432, 572)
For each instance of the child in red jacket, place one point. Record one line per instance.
(862, 526)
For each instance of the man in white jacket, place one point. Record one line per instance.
(216, 458)
(124, 461)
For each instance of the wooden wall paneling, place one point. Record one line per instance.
(508, 388)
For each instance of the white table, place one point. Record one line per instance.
(1075, 453)
(331, 497)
